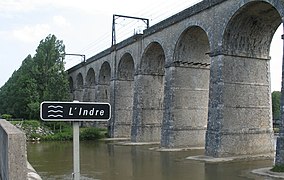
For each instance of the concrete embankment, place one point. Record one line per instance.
(13, 154)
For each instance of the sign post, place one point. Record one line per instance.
(75, 112)
(76, 151)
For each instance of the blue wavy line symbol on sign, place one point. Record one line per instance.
(55, 111)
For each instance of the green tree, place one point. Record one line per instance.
(49, 70)
(19, 91)
(276, 95)
(40, 78)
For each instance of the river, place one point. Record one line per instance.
(109, 161)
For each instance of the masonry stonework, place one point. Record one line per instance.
(200, 78)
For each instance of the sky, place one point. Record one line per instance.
(85, 28)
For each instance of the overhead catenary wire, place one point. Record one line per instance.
(155, 13)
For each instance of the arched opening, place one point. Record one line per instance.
(126, 68)
(71, 88)
(249, 33)
(78, 94)
(240, 110)
(153, 60)
(79, 81)
(186, 98)
(90, 79)
(89, 94)
(71, 84)
(124, 96)
(149, 96)
(193, 48)
(103, 91)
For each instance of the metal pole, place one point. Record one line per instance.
(76, 151)
(113, 40)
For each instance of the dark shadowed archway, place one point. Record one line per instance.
(103, 89)
(71, 84)
(79, 87)
(71, 87)
(89, 94)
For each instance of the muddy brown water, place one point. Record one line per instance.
(109, 161)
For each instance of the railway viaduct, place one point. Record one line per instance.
(200, 78)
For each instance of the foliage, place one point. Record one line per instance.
(40, 78)
(65, 135)
(91, 133)
(6, 116)
(33, 129)
(276, 130)
(56, 131)
(278, 168)
(276, 95)
(58, 126)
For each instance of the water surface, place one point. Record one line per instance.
(109, 161)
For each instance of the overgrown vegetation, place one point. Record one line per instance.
(276, 95)
(56, 131)
(40, 78)
(6, 116)
(278, 168)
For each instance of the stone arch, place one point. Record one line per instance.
(149, 95)
(78, 94)
(71, 84)
(193, 47)
(105, 74)
(89, 93)
(250, 30)
(79, 81)
(126, 67)
(187, 91)
(153, 60)
(239, 107)
(124, 96)
(91, 78)
(72, 89)
(104, 83)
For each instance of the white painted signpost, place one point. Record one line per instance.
(75, 112)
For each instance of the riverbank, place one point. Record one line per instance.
(56, 131)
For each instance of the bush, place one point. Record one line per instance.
(276, 130)
(33, 129)
(56, 131)
(92, 133)
(278, 168)
(58, 126)
(66, 135)
(6, 116)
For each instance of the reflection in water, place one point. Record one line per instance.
(107, 161)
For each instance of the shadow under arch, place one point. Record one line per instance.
(91, 78)
(89, 94)
(71, 84)
(71, 88)
(103, 87)
(79, 85)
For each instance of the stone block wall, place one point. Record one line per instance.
(13, 164)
